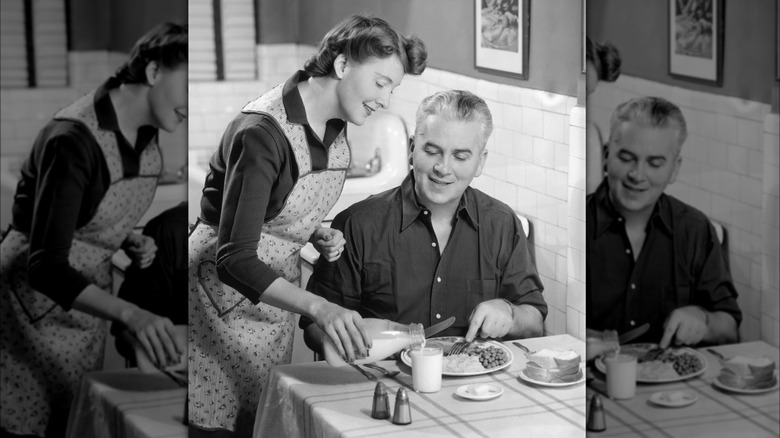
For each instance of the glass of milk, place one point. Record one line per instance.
(426, 368)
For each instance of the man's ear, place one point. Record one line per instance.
(340, 66)
(411, 150)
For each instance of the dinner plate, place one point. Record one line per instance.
(479, 391)
(447, 342)
(674, 399)
(580, 379)
(724, 387)
(639, 350)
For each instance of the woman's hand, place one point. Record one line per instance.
(140, 248)
(157, 335)
(345, 328)
(329, 242)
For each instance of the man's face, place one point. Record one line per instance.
(640, 164)
(447, 156)
(168, 97)
(366, 87)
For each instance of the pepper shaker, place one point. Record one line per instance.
(381, 406)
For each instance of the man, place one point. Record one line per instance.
(160, 288)
(650, 257)
(434, 247)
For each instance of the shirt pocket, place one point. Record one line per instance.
(478, 291)
(377, 286)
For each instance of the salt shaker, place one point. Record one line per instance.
(403, 412)
(596, 420)
(381, 406)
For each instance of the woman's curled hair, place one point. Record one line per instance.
(359, 38)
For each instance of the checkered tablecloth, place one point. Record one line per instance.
(316, 400)
(716, 413)
(128, 404)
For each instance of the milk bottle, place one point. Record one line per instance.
(387, 338)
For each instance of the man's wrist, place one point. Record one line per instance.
(511, 307)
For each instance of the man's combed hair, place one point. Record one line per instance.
(359, 38)
(456, 105)
(651, 112)
(165, 44)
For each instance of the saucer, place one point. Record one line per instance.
(479, 391)
(674, 399)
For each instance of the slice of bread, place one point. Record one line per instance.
(750, 366)
(555, 359)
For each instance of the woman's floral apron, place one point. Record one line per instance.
(46, 349)
(234, 343)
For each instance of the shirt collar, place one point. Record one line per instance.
(104, 109)
(291, 99)
(607, 214)
(293, 104)
(411, 207)
(106, 114)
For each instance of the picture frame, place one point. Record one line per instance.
(696, 40)
(584, 54)
(502, 30)
(777, 40)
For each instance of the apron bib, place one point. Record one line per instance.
(234, 343)
(46, 349)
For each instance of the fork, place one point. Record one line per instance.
(461, 346)
(365, 373)
(384, 371)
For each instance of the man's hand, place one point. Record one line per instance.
(140, 248)
(329, 242)
(685, 326)
(490, 319)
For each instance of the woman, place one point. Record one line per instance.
(279, 170)
(603, 64)
(91, 175)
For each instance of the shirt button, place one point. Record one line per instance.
(425, 212)
(438, 316)
(433, 244)
(438, 279)
(633, 286)
(620, 219)
(632, 322)
(628, 251)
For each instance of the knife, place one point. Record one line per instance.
(633, 333)
(438, 327)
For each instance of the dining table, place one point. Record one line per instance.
(716, 412)
(128, 403)
(318, 400)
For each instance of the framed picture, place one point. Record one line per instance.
(777, 40)
(696, 40)
(584, 54)
(501, 36)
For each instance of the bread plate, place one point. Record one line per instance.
(446, 344)
(718, 384)
(578, 378)
(639, 351)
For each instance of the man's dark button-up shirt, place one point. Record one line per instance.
(392, 268)
(680, 264)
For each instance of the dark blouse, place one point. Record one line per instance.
(250, 176)
(63, 181)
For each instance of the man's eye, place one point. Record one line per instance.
(656, 163)
(461, 157)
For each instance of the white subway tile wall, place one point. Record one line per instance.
(531, 165)
(730, 172)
